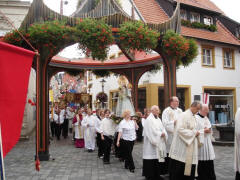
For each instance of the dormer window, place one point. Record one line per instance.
(208, 20)
(194, 17)
(183, 14)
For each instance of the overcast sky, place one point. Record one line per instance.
(230, 7)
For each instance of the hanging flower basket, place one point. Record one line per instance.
(137, 36)
(95, 36)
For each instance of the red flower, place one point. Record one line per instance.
(87, 30)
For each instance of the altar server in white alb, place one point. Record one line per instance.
(107, 130)
(184, 149)
(237, 145)
(154, 146)
(169, 119)
(89, 123)
(206, 153)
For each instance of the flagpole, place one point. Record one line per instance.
(2, 161)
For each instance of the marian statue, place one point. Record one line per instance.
(124, 97)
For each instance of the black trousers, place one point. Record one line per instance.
(206, 170)
(176, 170)
(118, 153)
(65, 128)
(127, 148)
(107, 148)
(59, 128)
(100, 145)
(53, 128)
(237, 176)
(152, 169)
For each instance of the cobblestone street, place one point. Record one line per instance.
(70, 163)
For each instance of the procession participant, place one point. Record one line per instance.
(169, 119)
(118, 151)
(107, 128)
(89, 122)
(59, 122)
(79, 130)
(127, 131)
(206, 153)
(65, 124)
(237, 145)
(154, 146)
(184, 149)
(52, 122)
(146, 114)
(70, 115)
(138, 119)
(100, 116)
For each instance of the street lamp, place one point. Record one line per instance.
(61, 6)
(102, 81)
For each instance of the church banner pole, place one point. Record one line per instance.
(2, 170)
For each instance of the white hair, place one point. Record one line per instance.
(154, 107)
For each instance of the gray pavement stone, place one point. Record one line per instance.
(76, 164)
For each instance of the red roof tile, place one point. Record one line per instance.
(151, 11)
(204, 4)
(221, 35)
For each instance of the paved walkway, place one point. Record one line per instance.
(70, 163)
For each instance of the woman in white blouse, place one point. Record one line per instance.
(127, 131)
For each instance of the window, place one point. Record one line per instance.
(183, 14)
(208, 56)
(194, 17)
(228, 58)
(207, 20)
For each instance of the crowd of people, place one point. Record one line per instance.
(178, 145)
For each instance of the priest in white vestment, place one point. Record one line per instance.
(237, 145)
(154, 146)
(169, 119)
(184, 149)
(89, 124)
(206, 153)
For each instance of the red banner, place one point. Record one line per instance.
(15, 66)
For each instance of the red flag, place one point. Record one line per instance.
(15, 66)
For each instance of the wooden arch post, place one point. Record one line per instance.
(43, 140)
(170, 82)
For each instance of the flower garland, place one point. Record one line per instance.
(137, 36)
(199, 25)
(46, 37)
(94, 36)
(179, 48)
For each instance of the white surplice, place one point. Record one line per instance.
(169, 115)
(89, 123)
(154, 146)
(206, 151)
(184, 146)
(237, 142)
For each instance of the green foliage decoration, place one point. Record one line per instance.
(137, 36)
(95, 37)
(199, 25)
